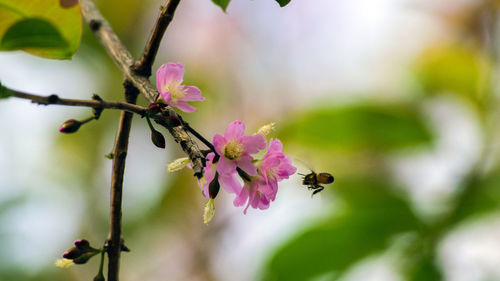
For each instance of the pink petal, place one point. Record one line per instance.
(165, 96)
(253, 144)
(242, 197)
(182, 105)
(275, 146)
(245, 163)
(173, 73)
(235, 130)
(219, 142)
(230, 183)
(225, 166)
(160, 77)
(192, 93)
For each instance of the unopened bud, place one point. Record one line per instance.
(82, 244)
(157, 139)
(214, 187)
(84, 258)
(209, 211)
(154, 107)
(70, 126)
(99, 277)
(266, 129)
(72, 253)
(178, 164)
(173, 121)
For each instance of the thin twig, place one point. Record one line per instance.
(54, 99)
(143, 65)
(120, 153)
(122, 57)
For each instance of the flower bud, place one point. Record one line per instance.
(70, 126)
(85, 257)
(173, 121)
(209, 211)
(157, 139)
(154, 107)
(266, 129)
(82, 244)
(99, 277)
(178, 164)
(71, 253)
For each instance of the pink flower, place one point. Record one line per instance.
(235, 148)
(262, 189)
(168, 81)
(229, 182)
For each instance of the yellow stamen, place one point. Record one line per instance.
(266, 129)
(64, 263)
(233, 150)
(175, 90)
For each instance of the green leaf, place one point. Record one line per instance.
(283, 3)
(4, 92)
(32, 33)
(460, 70)
(424, 270)
(374, 214)
(481, 195)
(221, 3)
(16, 26)
(361, 126)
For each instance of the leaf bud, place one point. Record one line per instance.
(214, 187)
(157, 139)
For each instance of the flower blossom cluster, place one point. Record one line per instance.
(234, 164)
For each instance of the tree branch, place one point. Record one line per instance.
(54, 99)
(124, 60)
(114, 241)
(143, 66)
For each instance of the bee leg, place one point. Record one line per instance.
(318, 188)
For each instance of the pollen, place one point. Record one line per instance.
(233, 150)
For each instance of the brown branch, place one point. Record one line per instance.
(56, 100)
(122, 57)
(143, 66)
(120, 153)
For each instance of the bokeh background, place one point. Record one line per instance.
(398, 99)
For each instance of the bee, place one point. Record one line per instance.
(314, 180)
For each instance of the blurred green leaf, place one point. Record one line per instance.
(457, 69)
(361, 126)
(4, 92)
(374, 214)
(221, 3)
(425, 270)
(32, 33)
(66, 22)
(283, 3)
(481, 194)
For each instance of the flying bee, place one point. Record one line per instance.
(314, 180)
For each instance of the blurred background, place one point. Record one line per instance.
(398, 99)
